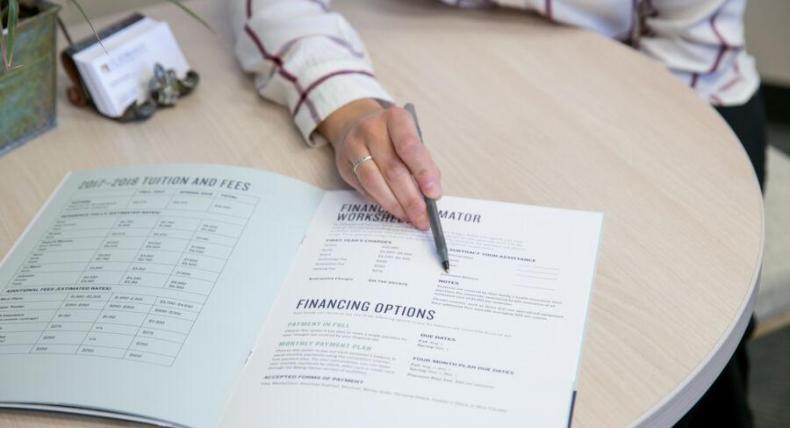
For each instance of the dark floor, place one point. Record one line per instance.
(779, 136)
(769, 355)
(769, 381)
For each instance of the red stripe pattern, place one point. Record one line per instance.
(280, 69)
(718, 59)
(304, 94)
(724, 46)
(337, 40)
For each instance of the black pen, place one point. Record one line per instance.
(433, 213)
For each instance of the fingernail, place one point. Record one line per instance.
(433, 189)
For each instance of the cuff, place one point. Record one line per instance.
(325, 91)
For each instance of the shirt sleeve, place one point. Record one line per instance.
(702, 42)
(305, 57)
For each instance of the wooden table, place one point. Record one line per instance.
(514, 109)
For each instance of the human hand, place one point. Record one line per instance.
(401, 170)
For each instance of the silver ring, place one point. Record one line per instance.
(360, 161)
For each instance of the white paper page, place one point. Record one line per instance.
(121, 71)
(125, 73)
(114, 40)
(141, 290)
(91, 75)
(369, 331)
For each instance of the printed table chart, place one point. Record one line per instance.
(134, 269)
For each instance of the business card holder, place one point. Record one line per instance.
(164, 88)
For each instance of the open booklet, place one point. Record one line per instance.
(205, 296)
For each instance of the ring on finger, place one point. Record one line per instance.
(356, 164)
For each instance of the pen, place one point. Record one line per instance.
(433, 213)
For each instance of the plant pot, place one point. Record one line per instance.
(27, 92)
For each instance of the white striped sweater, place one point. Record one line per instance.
(309, 59)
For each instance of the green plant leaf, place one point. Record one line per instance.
(90, 24)
(2, 46)
(13, 17)
(191, 13)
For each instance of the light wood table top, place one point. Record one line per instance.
(514, 109)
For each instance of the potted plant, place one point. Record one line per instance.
(27, 72)
(27, 77)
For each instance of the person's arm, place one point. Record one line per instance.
(309, 59)
(702, 42)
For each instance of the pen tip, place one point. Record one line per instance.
(446, 266)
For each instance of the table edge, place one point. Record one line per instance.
(675, 405)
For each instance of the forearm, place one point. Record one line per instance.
(702, 43)
(305, 57)
(312, 61)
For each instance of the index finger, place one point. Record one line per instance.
(414, 154)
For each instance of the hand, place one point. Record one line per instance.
(401, 170)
